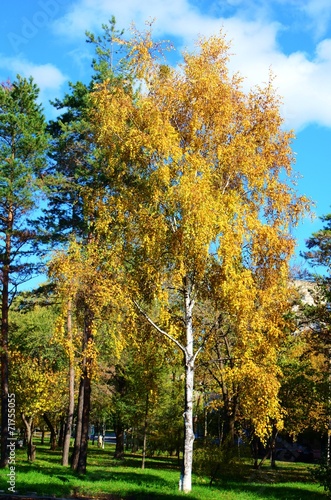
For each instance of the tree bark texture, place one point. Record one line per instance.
(78, 433)
(52, 441)
(4, 343)
(186, 483)
(145, 434)
(71, 404)
(81, 441)
(31, 449)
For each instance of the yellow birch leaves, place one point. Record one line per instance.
(205, 191)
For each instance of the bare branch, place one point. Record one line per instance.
(151, 322)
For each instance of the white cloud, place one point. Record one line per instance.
(303, 83)
(47, 76)
(301, 80)
(175, 17)
(319, 13)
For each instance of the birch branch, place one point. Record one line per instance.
(151, 322)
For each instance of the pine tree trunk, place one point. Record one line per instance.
(78, 435)
(4, 343)
(84, 403)
(71, 404)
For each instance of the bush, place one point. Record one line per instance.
(216, 461)
(322, 474)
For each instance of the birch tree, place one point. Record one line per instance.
(210, 203)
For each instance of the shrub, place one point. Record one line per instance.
(322, 474)
(216, 461)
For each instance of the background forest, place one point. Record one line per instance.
(159, 204)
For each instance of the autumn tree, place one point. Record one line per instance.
(76, 160)
(74, 332)
(73, 202)
(317, 314)
(84, 280)
(23, 145)
(208, 213)
(304, 385)
(38, 389)
(36, 362)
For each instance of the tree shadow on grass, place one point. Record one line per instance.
(287, 483)
(48, 477)
(70, 485)
(55, 481)
(274, 491)
(164, 463)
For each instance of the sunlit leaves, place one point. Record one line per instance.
(211, 198)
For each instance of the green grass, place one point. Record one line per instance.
(107, 478)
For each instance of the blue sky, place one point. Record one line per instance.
(45, 39)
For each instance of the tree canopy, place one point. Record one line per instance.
(208, 211)
(170, 221)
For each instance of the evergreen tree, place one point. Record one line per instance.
(318, 314)
(23, 146)
(73, 204)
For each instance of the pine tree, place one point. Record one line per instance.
(23, 146)
(72, 209)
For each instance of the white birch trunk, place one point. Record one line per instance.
(186, 483)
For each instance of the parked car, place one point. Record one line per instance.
(110, 437)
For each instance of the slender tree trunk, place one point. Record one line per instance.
(273, 449)
(270, 452)
(231, 419)
(255, 450)
(71, 405)
(186, 482)
(80, 452)
(31, 450)
(52, 429)
(134, 443)
(61, 433)
(119, 449)
(145, 433)
(81, 469)
(78, 435)
(4, 343)
(121, 389)
(328, 446)
(179, 447)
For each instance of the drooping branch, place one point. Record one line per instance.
(154, 325)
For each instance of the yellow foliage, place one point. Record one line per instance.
(36, 386)
(211, 200)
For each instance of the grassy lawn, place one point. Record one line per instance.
(110, 479)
